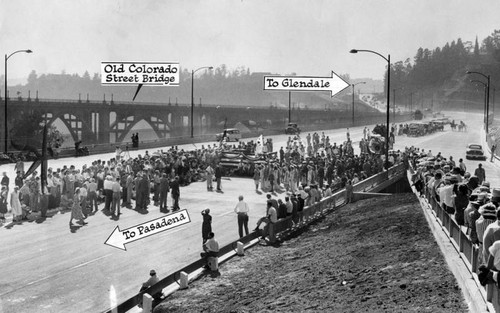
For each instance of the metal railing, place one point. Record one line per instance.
(280, 229)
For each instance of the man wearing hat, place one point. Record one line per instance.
(488, 216)
(153, 279)
(471, 215)
(446, 194)
(175, 192)
(480, 173)
(492, 232)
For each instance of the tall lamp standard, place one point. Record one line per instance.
(192, 95)
(485, 96)
(388, 59)
(5, 95)
(353, 99)
(487, 109)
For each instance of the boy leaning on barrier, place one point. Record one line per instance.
(210, 248)
(153, 279)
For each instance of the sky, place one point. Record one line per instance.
(309, 38)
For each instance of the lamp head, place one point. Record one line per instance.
(353, 51)
(210, 67)
(468, 72)
(29, 51)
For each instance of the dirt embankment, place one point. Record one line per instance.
(376, 255)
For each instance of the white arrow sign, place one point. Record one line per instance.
(334, 84)
(119, 238)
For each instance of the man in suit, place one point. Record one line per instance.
(176, 193)
(218, 176)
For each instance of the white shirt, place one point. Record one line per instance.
(495, 252)
(241, 207)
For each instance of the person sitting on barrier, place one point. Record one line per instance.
(210, 248)
(270, 218)
(153, 279)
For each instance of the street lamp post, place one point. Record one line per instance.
(192, 95)
(5, 95)
(485, 97)
(388, 59)
(289, 106)
(353, 99)
(487, 108)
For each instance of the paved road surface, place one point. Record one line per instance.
(47, 268)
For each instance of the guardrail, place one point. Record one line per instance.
(277, 230)
(468, 251)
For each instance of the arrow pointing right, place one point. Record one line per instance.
(334, 84)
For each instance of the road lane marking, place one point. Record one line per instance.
(56, 274)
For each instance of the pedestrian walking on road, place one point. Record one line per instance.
(206, 226)
(176, 193)
(115, 204)
(209, 174)
(493, 149)
(242, 210)
(256, 177)
(76, 209)
(218, 177)
(480, 173)
(164, 189)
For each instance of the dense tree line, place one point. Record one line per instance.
(439, 76)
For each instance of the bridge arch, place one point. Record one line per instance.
(75, 125)
(122, 127)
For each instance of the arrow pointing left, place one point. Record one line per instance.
(119, 238)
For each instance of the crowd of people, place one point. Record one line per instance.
(466, 196)
(306, 169)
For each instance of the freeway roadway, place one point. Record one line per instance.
(47, 268)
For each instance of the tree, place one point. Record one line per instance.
(476, 48)
(28, 131)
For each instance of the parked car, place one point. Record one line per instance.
(474, 151)
(230, 134)
(417, 129)
(292, 128)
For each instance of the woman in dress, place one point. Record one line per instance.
(76, 209)
(3, 203)
(15, 205)
(206, 226)
(256, 176)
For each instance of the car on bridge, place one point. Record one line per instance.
(474, 151)
(292, 129)
(229, 134)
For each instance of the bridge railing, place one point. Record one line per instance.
(277, 230)
(468, 251)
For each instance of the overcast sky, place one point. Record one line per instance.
(283, 36)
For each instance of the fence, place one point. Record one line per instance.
(467, 250)
(278, 230)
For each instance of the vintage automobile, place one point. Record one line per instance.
(229, 134)
(417, 129)
(437, 125)
(292, 128)
(474, 151)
